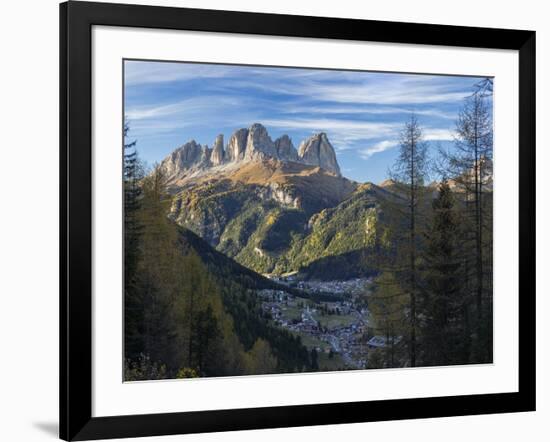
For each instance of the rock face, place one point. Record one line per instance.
(249, 145)
(285, 150)
(317, 151)
(217, 156)
(237, 145)
(259, 144)
(190, 155)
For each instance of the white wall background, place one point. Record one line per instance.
(29, 218)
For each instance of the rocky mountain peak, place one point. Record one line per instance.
(285, 149)
(259, 144)
(218, 153)
(317, 151)
(190, 154)
(237, 145)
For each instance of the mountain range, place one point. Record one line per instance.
(271, 207)
(254, 144)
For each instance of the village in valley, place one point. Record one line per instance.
(333, 321)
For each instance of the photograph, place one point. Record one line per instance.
(290, 220)
(275, 221)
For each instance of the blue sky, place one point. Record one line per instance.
(168, 103)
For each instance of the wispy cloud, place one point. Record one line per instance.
(146, 112)
(363, 88)
(191, 106)
(329, 109)
(354, 129)
(141, 72)
(381, 146)
(398, 92)
(146, 72)
(433, 134)
(429, 134)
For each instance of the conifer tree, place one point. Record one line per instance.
(133, 320)
(205, 328)
(445, 335)
(409, 173)
(314, 360)
(158, 269)
(469, 164)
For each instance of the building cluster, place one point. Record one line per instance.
(348, 338)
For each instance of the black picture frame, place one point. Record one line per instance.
(76, 21)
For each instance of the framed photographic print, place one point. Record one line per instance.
(272, 220)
